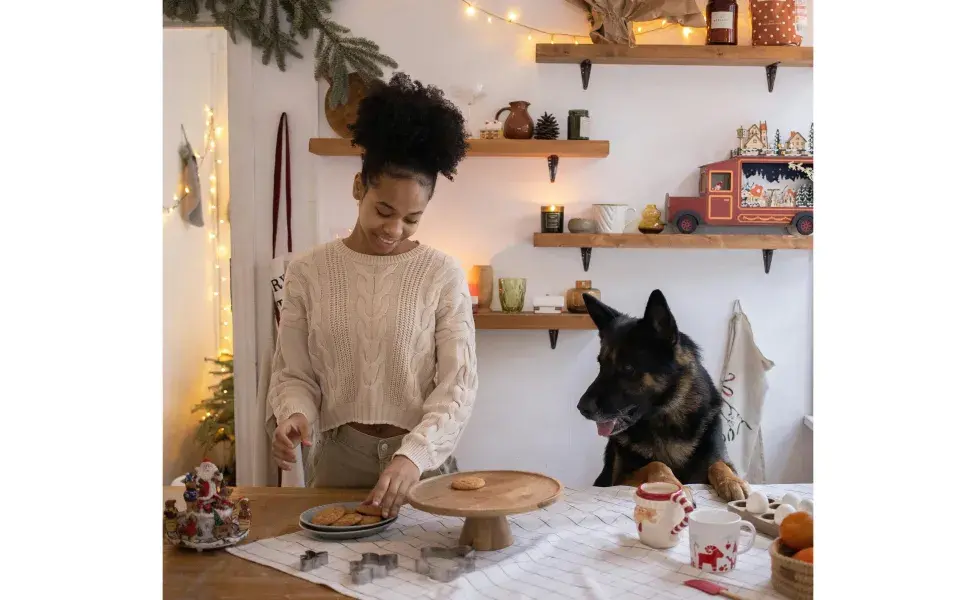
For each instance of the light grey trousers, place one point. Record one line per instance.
(347, 458)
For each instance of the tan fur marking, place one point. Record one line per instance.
(651, 383)
(682, 403)
(684, 357)
(675, 453)
(727, 484)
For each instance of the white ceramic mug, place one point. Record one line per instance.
(661, 513)
(612, 218)
(714, 539)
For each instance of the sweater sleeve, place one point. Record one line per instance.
(447, 408)
(293, 387)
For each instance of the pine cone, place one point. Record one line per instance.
(546, 128)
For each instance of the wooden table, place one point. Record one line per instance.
(216, 574)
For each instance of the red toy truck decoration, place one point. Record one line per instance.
(750, 191)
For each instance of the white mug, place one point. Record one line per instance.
(661, 512)
(612, 218)
(714, 539)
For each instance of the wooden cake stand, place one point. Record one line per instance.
(484, 510)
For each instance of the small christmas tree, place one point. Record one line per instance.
(810, 140)
(546, 128)
(804, 197)
(217, 423)
(777, 147)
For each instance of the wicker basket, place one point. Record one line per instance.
(792, 578)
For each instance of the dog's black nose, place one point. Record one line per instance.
(587, 406)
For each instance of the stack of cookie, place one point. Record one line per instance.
(340, 516)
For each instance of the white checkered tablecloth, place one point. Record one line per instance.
(592, 529)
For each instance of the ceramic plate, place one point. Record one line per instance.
(345, 533)
(305, 520)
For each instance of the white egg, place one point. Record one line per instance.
(757, 503)
(791, 499)
(806, 506)
(781, 513)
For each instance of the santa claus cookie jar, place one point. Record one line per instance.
(211, 520)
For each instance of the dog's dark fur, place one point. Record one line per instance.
(665, 407)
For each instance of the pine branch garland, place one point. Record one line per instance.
(336, 53)
(181, 10)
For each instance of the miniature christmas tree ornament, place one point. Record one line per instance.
(209, 521)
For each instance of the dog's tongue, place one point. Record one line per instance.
(605, 427)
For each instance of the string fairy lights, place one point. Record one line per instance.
(472, 9)
(222, 312)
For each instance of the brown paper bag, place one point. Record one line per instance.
(774, 23)
(611, 21)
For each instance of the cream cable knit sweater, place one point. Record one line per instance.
(362, 337)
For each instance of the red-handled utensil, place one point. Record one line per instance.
(712, 588)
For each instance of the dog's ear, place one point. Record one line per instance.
(601, 314)
(658, 317)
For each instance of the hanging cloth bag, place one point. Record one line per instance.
(743, 393)
(279, 264)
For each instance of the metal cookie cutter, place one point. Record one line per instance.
(372, 566)
(461, 557)
(313, 560)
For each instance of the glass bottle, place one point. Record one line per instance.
(722, 17)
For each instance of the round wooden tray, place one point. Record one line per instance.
(485, 510)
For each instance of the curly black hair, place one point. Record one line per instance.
(407, 129)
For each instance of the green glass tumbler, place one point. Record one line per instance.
(511, 293)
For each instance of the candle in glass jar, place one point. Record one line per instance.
(552, 219)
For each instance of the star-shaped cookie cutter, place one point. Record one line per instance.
(461, 557)
(372, 566)
(313, 560)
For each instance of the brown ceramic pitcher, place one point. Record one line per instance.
(518, 125)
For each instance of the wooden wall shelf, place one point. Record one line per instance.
(488, 148)
(587, 241)
(551, 150)
(770, 57)
(654, 54)
(530, 320)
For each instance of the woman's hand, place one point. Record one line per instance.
(286, 436)
(394, 483)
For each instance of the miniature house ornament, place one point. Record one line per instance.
(211, 519)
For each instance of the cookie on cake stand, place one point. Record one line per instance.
(487, 499)
(211, 519)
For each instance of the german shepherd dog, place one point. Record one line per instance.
(655, 404)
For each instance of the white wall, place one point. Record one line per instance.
(663, 122)
(188, 274)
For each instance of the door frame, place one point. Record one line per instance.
(250, 446)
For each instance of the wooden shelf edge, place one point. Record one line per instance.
(732, 241)
(497, 320)
(675, 55)
(500, 148)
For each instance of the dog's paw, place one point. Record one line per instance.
(732, 488)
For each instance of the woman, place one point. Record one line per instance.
(367, 321)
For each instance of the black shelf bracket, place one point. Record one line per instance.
(553, 161)
(767, 260)
(586, 65)
(771, 76)
(553, 338)
(586, 254)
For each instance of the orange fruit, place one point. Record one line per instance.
(806, 555)
(796, 530)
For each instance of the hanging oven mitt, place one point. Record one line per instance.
(191, 208)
